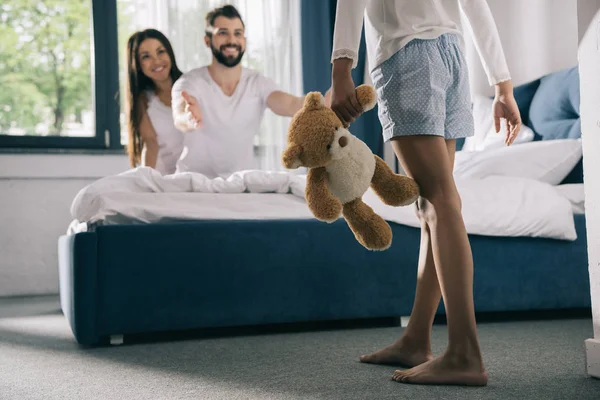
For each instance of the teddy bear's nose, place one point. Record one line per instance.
(343, 141)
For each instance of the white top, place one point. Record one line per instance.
(391, 24)
(170, 139)
(225, 142)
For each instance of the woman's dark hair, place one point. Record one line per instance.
(137, 83)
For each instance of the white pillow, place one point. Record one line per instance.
(575, 193)
(485, 136)
(548, 161)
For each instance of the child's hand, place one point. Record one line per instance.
(193, 109)
(343, 93)
(505, 107)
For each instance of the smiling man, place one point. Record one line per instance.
(220, 106)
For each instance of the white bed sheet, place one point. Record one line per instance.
(126, 208)
(494, 206)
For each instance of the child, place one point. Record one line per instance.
(415, 52)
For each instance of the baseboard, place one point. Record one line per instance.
(592, 357)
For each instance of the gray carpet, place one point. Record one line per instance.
(39, 359)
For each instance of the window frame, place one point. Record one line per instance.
(105, 79)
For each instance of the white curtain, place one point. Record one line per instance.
(273, 47)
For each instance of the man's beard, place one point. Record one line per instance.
(228, 61)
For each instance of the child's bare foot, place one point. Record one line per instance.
(403, 352)
(446, 370)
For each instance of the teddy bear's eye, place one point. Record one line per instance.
(328, 147)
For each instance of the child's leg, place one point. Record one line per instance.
(414, 346)
(427, 160)
(423, 94)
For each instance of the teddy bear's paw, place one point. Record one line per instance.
(370, 230)
(328, 211)
(393, 189)
(397, 191)
(331, 218)
(376, 240)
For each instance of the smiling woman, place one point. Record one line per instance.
(151, 71)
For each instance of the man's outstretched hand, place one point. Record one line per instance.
(192, 109)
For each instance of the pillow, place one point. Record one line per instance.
(524, 94)
(547, 161)
(485, 133)
(554, 111)
(575, 193)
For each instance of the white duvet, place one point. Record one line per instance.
(493, 206)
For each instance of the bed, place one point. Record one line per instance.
(147, 253)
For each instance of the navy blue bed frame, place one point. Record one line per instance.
(127, 279)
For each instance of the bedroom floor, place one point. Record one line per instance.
(40, 360)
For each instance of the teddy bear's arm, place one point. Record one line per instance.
(322, 203)
(393, 189)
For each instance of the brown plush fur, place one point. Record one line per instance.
(324, 205)
(369, 228)
(310, 137)
(386, 184)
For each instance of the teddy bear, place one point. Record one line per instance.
(341, 168)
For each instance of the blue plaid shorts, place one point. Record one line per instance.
(423, 89)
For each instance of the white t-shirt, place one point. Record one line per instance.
(391, 24)
(170, 139)
(225, 142)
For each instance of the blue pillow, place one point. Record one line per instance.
(554, 110)
(524, 96)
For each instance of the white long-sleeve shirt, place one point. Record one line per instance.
(391, 24)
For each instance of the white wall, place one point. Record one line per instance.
(35, 196)
(589, 67)
(538, 37)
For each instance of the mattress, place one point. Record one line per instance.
(494, 206)
(139, 208)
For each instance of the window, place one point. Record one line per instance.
(58, 86)
(62, 65)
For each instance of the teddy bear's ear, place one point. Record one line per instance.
(313, 101)
(291, 156)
